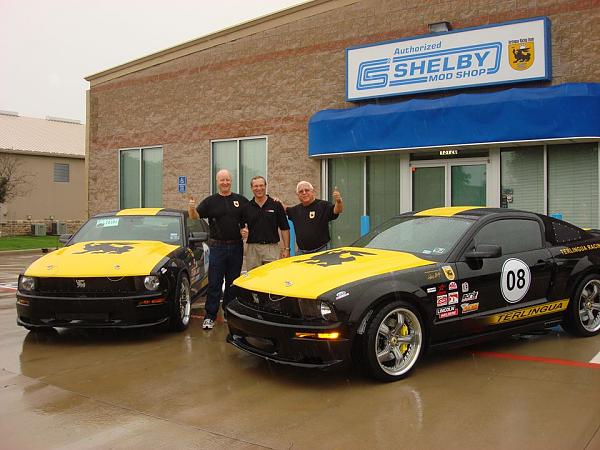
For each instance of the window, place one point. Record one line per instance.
(347, 174)
(503, 232)
(573, 183)
(61, 173)
(559, 180)
(244, 158)
(140, 172)
(522, 172)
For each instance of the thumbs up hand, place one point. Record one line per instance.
(244, 232)
(337, 197)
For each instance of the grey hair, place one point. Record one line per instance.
(310, 186)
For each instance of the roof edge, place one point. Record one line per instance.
(11, 151)
(223, 36)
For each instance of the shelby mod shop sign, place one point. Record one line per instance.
(495, 54)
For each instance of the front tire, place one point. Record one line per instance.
(583, 314)
(182, 305)
(393, 341)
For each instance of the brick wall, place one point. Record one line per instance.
(271, 82)
(23, 227)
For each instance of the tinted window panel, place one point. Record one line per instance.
(513, 235)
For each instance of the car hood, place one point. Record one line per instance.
(101, 259)
(309, 276)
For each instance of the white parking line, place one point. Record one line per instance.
(596, 359)
(8, 286)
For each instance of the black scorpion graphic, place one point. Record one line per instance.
(114, 248)
(333, 257)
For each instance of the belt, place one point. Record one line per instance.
(264, 242)
(225, 242)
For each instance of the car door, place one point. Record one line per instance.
(199, 264)
(519, 277)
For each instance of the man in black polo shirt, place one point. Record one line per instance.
(311, 218)
(224, 213)
(264, 217)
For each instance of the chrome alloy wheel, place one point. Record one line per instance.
(184, 303)
(589, 306)
(398, 342)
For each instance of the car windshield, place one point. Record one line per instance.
(432, 236)
(140, 228)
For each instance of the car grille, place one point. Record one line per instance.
(290, 307)
(86, 287)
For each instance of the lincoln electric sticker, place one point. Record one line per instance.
(495, 54)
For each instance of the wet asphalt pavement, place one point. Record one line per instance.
(79, 389)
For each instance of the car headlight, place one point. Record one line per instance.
(151, 282)
(327, 311)
(26, 283)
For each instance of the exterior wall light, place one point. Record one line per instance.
(439, 27)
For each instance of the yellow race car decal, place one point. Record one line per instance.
(309, 276)
(446, 211)
(101, 259)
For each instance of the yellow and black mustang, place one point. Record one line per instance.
(431, 279)
(133, 268)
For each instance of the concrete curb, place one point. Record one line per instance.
(26, 251)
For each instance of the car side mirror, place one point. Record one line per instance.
(484, 251)
(64, 238)
(197, 236)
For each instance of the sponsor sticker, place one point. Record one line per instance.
(469, 307)
(448, 272)
(109, 222)
(470, 296)
(526, 313)
(452, 298)
(441, 289)
(432, 275)
(465, 286)
(430, 290)
(580, 248)
(442, 300)
(452, 286)
(445, 309)
(341, 294)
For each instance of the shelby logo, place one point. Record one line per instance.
(412, 65)
(333, 257)
(521, 53)
(106, 247)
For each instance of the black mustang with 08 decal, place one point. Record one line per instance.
(431, 279)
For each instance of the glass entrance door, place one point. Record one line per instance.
(429, 187)
(448, 183)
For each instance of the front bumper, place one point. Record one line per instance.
(35, 311)
(263, 335)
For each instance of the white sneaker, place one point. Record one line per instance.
(208, 324)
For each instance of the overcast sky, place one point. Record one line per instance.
(47, 47)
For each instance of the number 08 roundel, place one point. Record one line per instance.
(515, 280)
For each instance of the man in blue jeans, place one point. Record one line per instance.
(224, 212)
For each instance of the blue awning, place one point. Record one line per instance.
(515, 115)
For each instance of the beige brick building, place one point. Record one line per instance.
(242, 98)
(46, 160)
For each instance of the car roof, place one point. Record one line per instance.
(471, 212)
(143, 212)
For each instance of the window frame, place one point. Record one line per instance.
(68, 172)
(236, 188)
(471, 241)
(141, 165)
